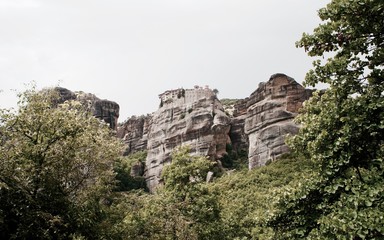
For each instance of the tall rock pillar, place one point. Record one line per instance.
(270, 112)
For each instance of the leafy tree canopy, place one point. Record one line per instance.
(183, 208)
(55, 169)
(123, 169)
(342, 129)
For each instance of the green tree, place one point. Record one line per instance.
(123, 169)
(55, 169)
(246, 197)
(342, 129)
(186, 189)
(183, 208)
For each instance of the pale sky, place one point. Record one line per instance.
(129, 51)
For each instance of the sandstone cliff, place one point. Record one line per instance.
(191, 117)
(270, 111)
(257, 125)
(100, 108)
(134, 132)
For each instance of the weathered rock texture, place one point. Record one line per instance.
(100, 108)
(270, 111)
(134, 132)
(237, 134)
(257, 125)
(191, 117)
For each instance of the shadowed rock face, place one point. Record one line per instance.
(65, 94)
(134, 133)
(237, 134)
(269, 118)
(107, 111)
(199, 123)
(102, 109)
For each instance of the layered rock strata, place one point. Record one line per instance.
(193, 117)
(269, 118)
(134, 132)
(258, 125)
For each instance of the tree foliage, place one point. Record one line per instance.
(123, 169)
(342, 129)
(183, 208)
(186, 188)
(247, 197)
(55, 169)
(234, 206)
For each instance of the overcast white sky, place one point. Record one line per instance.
(129, 51)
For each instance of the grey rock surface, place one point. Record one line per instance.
(269, 118)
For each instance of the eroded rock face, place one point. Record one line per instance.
(65, 94)
(134, 133)
(193, 117)
(100, 108)
(269, 118)
(107, 111)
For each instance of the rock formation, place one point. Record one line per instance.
(134, 132)
(270, 111)
(257, 125)
(237, 134)
(100, 108)
(191, 117)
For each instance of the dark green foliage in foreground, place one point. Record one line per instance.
(235, 206)
(184, 208)
(247, 197)
(343, 130)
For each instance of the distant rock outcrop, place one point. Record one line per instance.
(100, 108)
(270, 111)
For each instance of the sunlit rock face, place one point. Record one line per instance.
(134, 132)
(192, 117)
(100, 108)
(269, 118)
